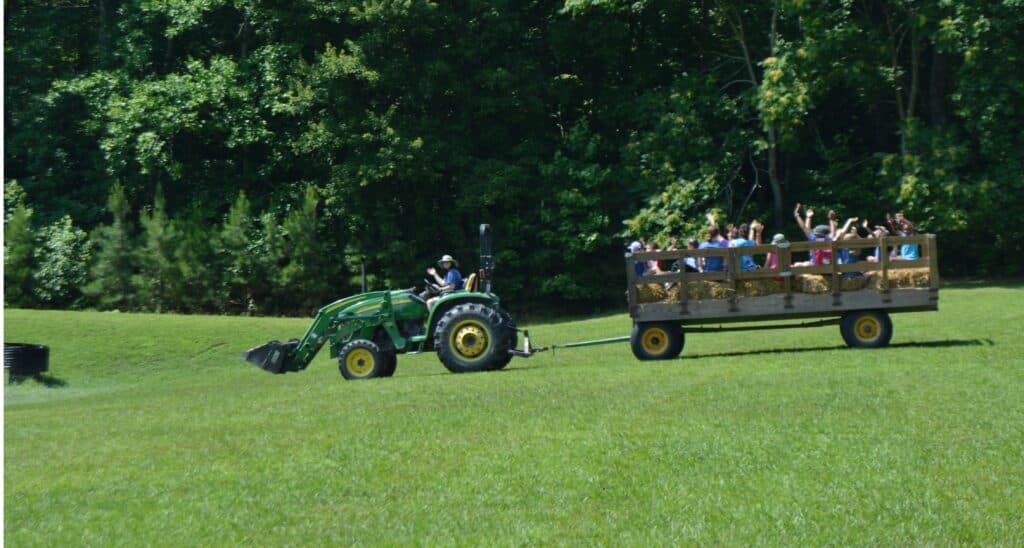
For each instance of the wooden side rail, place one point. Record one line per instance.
(732, 275)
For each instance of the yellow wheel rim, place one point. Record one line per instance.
(469, 339)
(359, 362)
(867, 328)
(654, 340)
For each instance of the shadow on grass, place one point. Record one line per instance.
(919, 344)
(48, 381)
(967, 283)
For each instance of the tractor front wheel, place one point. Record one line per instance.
(362, 359)
(472, 337)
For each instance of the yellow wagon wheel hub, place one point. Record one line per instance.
(469, 339)
(867, 328)
(359, 362)
(654, 340)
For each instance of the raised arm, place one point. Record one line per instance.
(806, 224)
(846, 228)
(832, 224)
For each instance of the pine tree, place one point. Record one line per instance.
(159, 281)
(200, 265)
(19, 248)
(306, 273)
(237, 255)
(269, 291)
(111, 285)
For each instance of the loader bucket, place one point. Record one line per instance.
(271, 356)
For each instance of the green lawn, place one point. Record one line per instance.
(162, 435)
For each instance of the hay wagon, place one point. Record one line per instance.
(857, 296)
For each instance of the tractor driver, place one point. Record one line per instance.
(452, 280)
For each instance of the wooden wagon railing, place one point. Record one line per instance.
(788, 302)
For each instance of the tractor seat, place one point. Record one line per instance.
(470, 284)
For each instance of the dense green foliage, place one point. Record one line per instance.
(388, 130)
(162, 435)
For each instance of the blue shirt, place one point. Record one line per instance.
(713, 264)
(910, 252)
(453, 278)
(746, 261)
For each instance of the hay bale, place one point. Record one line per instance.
(814, 284)
(901, 279)
(650, 293)
(910, 277)
(673, 294)
(758, 288)
(852, 283)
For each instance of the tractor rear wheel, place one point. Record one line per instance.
(362, 359)
(656, 340)
(472, 337)
(390, 364)
(511, 339)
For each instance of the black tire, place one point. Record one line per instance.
(656, 340)
(390, 364)
(511, 339)
(362, 359)
(26, 359)
(866, 329)
(471, 337)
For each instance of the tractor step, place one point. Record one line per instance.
(271, 356)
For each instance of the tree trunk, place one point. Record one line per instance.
(937, 88)
(773, 177)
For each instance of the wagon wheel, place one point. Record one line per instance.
(866, 329)
(656, 340)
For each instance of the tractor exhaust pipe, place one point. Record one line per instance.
(486, 258)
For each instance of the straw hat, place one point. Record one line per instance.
(448, 259)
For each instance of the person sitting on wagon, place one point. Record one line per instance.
(772, 261)
(689, 263)
(652, 266)
(452, 280)
(638, 266)
(744, 237)
(713, 240)
(902, 226)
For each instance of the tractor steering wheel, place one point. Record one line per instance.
(430, 287)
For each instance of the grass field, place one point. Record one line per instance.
(162, 435)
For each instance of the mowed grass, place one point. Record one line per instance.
(162, 435)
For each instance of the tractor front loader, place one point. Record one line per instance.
(468, 329)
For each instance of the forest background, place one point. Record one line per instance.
(242, 156)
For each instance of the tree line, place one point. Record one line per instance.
(146, 260)
(149, 143)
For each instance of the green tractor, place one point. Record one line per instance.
(468, 329)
